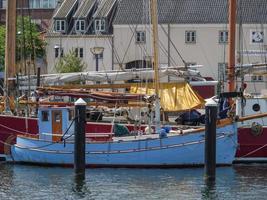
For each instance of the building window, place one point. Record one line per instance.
(38, 4)
(79, 52)
(222, 71)
(140, 36)
(60, 26)
(257, 37)
(190, 36)
(255, 78)
(223, 36)
(57, 50)
(80, 25)
(4, 4)
(99, 25)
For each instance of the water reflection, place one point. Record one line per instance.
(209, 190)
(80, 188)
(6, 180)
(26, 182)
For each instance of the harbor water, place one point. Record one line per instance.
(32, 182)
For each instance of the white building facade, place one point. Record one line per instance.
(190, 33)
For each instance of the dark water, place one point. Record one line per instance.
(27, 182)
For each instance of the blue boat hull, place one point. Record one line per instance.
(173, 151)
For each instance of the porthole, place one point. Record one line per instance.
(256, 107)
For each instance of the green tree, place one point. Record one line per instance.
(29, 39)
(33, 44)
(70, 63)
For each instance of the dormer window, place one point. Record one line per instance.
(99, 25)
(80, 25)
(60, 26)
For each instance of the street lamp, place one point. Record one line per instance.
(96, 51)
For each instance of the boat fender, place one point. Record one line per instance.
(163, 133)
(256, 129)
(167, 128)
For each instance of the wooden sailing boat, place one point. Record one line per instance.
(252, 134)
(108, 126)
(156, 150)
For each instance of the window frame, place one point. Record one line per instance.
(191, 37)
(140, 37)
(79, 52)
(60, 25)
(80, 24)
(45, 116)
(40, 4)
(223, 37)
(100, 25)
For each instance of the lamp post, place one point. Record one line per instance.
(96, 51)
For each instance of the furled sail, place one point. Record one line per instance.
(173, 96)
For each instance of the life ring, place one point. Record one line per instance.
(256, 129)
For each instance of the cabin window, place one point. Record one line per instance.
(190, 36)
(79, 52)
(99, 25)
(256, 107)
(80, 25)
(257, 37)
(57, 117)
(60, 26)
(140, 36)
(45, 116)
(223, 37)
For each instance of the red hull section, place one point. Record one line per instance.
(12, 126)
(251, 146)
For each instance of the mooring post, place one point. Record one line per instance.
(79, 141)
(210, 140)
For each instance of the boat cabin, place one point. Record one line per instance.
(252, 106)
(54, 122)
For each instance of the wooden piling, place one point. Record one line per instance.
(210, 140)
(79, 142)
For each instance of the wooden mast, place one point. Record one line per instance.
(154, 20)
(10, 49)
(231, 51)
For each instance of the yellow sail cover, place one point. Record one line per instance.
(173, 96)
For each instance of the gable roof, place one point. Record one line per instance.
(85, 6)
(189, 11)
(104, 8)
(65, 8)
